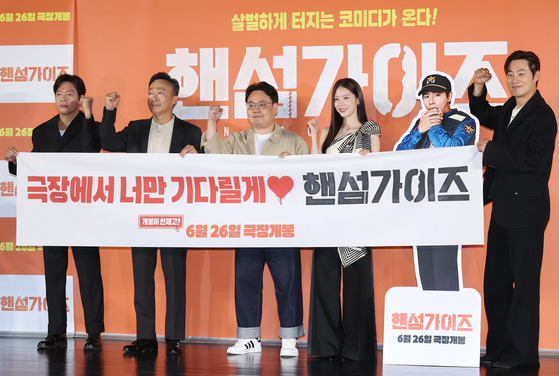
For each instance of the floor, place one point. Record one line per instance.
(18, 356)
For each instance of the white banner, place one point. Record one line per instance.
(417, 197)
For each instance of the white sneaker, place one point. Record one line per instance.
(245, 346)
(289, 347)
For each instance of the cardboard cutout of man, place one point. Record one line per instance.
(439, 124)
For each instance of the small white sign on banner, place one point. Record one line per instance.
(23, 304)
(432, 328)
(7, 192)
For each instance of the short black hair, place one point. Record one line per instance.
(172, 81)
(532, 58)
(73, 79)
(266, 88)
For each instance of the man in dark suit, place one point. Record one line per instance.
(71, 131)
(518, 163)
(163, 133)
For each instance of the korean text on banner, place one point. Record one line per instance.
(418, 197)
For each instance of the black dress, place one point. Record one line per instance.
(348, 331)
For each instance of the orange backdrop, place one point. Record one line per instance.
(119, 45)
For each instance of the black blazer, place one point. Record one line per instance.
(518, 159)
(134, 138)
(81, 136)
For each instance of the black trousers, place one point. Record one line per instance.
(173, 262)
(438, 267)
(88, 267)
(512, 293)
(350, 331)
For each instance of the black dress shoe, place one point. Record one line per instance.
(507, 364)
(142, 346)
(93, 342)
(486, 361)
(53, 341)
(173, 346)
(333, 358)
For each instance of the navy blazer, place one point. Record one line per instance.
(518, 160)
(134, 137)
(81, 136)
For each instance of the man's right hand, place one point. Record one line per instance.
(429, 119)
(188, 149)
(11, 154)
(87, 106)
(482, 144)
(112, 100)
(213, 116)
(481, 76)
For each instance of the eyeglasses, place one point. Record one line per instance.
(261, 105)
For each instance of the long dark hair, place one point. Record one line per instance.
(336, 120)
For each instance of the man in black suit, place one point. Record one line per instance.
(71, 131)
(163, 133)
(518, 163)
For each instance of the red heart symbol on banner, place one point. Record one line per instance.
(280, 186)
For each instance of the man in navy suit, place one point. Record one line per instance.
(70, 131)
(162, 133)
(518, 164)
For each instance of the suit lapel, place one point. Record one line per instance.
(72, 131)
(52, 134)
(144, 135)
(523, 112)
(177, 138)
